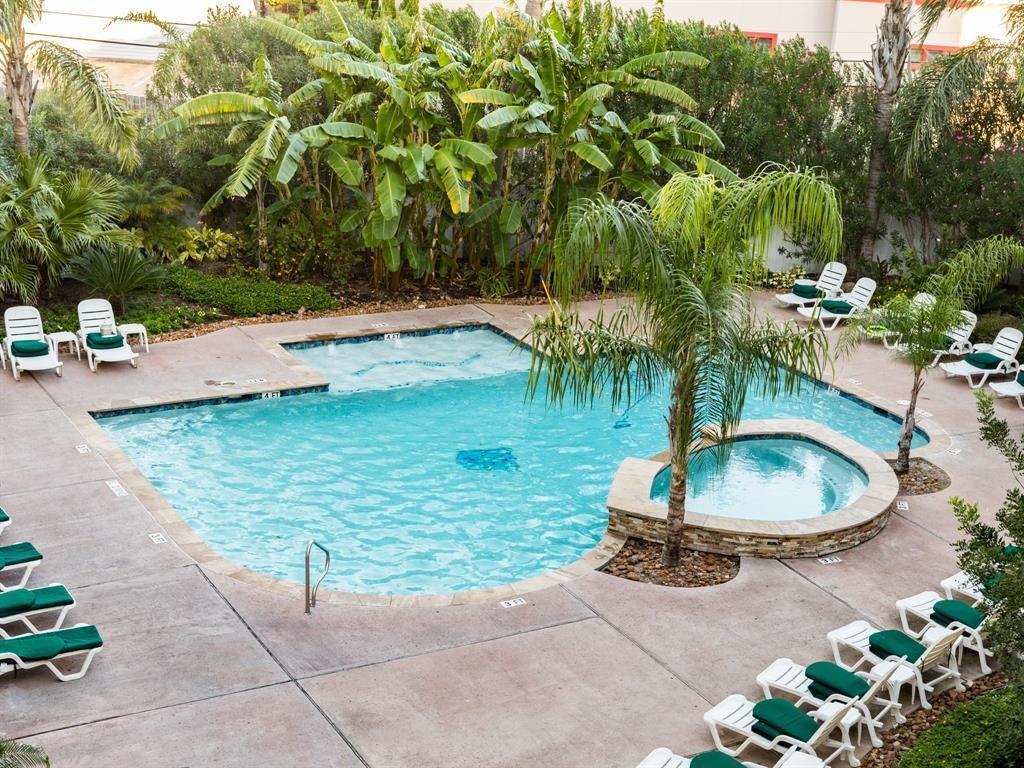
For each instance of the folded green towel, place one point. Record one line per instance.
(30, 348)
(781, 716)
(808, 291)
(99, 341)
(828, 678)
(984, 360)
(945, 612)
(892, 642)
(837, 306)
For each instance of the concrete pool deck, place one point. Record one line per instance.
(201, 669)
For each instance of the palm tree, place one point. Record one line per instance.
(78, 84)
(889, 57)
(690, 326)
(917, 329)
(46, 219)
(931, 100)
(17, 755)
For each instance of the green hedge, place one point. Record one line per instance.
(981, 734)
(244, 296)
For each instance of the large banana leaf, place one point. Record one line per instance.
(661, 90)
(300, 41)
(647, 151)
(500, 117)
(474, 151)
(348, 170)
(510, 220)
(487, 96)
(265, 148)
(483, 211)
(289, 159)
(340, 64)
(589, 153)
(378, 229)
(305, 93)
(390, 190)
(656, 61)
(449, 171)
(391, 250)
(226, 103)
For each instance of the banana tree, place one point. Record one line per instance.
(558, 87)
(261, 117)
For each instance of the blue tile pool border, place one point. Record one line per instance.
(447, 329)
(219, 400)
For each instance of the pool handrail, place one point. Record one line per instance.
(311, 593)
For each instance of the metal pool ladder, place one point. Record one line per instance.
(311, 593)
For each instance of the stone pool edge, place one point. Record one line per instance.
(632, 512)
(306, 379)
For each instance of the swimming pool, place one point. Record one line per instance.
(423, 469)
(769, 478)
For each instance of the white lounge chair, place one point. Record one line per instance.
(18, 560)
(830, 312)
(95, 316)
(788, 677)
(934, 654)
(935, 611)
(959, 338)
(46, 648)
(1012, 388)
(28, 347)
(734, 716)
(663, 757)
(829, 283)
(960, 583)
(988, 359)
(21, 606)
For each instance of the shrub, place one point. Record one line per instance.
(980, 734)
(246, 296)
(116, 273)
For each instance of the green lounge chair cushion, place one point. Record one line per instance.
(4, 517)
(16, 554)
(1020, 377)
(30, 348)
(945, 612)
(714, 759)
(808, 291)
(783, 717)
(984, 360)
(837, 306)
(18, 601)
(99, 341)
(46, 645)
(829, 678)
(892, 642)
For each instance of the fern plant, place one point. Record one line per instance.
(116, 273)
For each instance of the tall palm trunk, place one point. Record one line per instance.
(888, 59)
(907, 434)
(21, 89)
(680, 440)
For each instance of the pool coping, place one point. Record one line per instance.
(632, 510)
(86, 418)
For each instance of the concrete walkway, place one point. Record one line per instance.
(199, 669)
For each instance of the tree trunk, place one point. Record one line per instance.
(675, 522)
(261, 227)
(907, 434)
(21, 89)
(888, 58)
(680, 436)
(533, 8)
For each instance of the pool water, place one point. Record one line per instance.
(768, 479)
(424, 470)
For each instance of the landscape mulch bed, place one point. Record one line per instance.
(900, 738)
(924, 477)
(640, 560)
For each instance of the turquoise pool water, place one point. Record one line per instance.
(423, 470)
(769, 479)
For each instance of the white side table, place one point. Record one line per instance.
(61, 337)
(134, 329)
